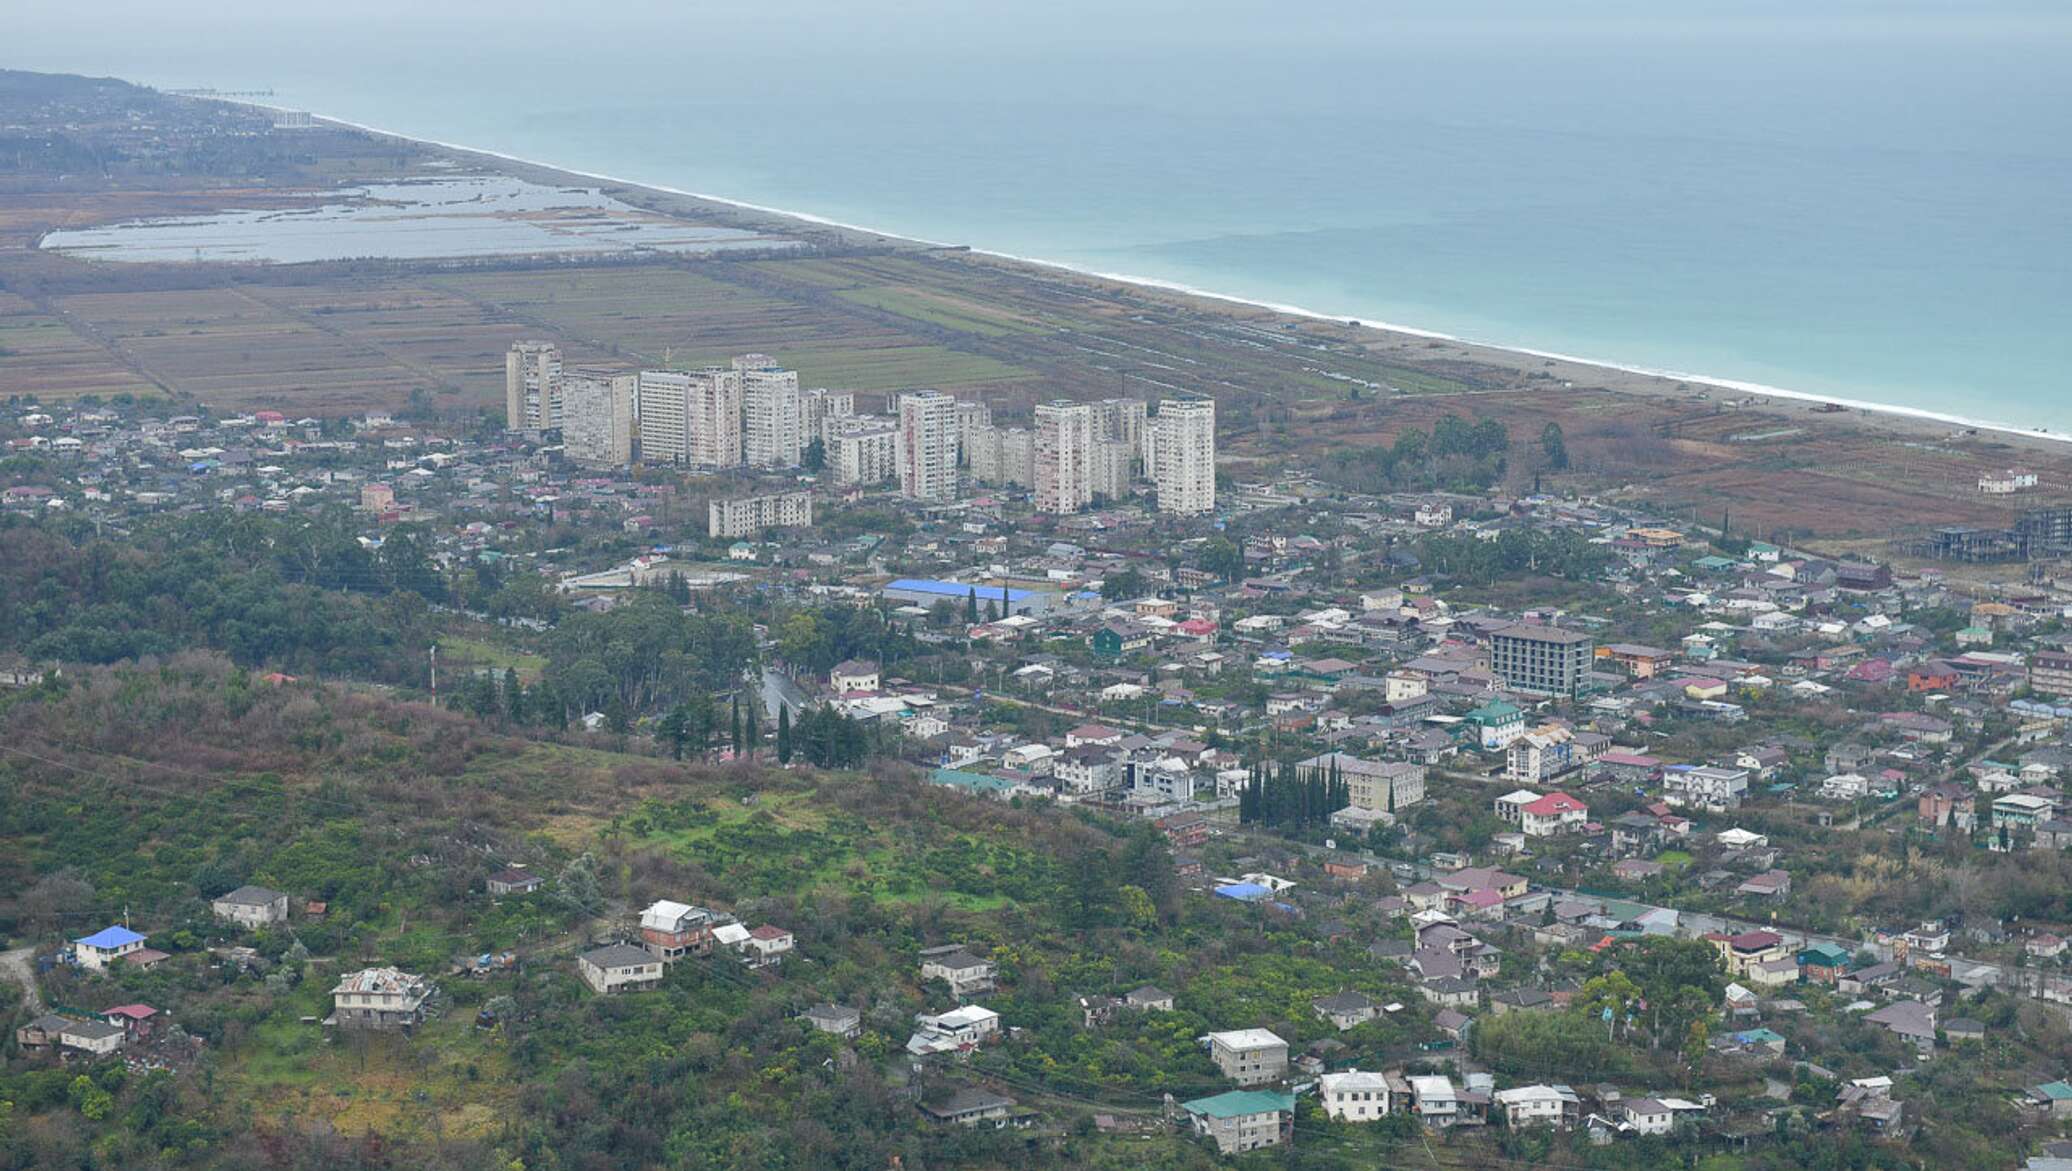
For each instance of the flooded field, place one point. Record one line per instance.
(433, 219)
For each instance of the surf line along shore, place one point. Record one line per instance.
(1407, 343)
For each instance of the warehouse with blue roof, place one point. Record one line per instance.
(920, 591)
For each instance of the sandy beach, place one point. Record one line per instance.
(1405, 342)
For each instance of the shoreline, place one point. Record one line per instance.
(1866, 410)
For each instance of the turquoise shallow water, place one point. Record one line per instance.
(1872, 201)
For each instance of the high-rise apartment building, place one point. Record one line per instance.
(861, 449)
(1064, 456)
(820, 404)
(597, 417)
(712, 410)
(660, 401)
(971, 415)
(532, 386)
(1110, 474)
(1185, 452)
(1541, 660)
(1122, 419)
(773, 427)
(927, 445)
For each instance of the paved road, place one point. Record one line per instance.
(19, 965)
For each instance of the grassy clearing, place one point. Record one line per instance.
(463, 653)
(946, 312)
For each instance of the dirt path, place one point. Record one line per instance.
(19, 965)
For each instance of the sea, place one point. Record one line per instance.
(1868, 200)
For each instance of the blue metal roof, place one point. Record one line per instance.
(957, 589)
(110, 938)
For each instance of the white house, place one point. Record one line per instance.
(853, 675)
(620, 967)
(105, 946)
(1538, 1105)
(1555, 813)
(1354, 1096)
(1648, 1115)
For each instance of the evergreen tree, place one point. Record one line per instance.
(749, 729)
(971, 606)
(734, 731)
(783, 734)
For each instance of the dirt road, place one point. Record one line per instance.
(19, 965)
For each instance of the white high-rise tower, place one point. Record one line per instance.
(927, 445)
(1064, 456)
(1185, 455)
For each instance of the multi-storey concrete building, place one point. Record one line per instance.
(773, 427)
(861, 449)
(1064, 456)
(1541, 660)
(746, 516)
(2050, 673)
(971, 415)
(532, 386)
(597, 417)
(713, 410)
(928, 446)
(380, 998)
(660, 399)
(820, 404)
(1249, 1057)
(1185, 451)
(1109, 477)
(1125, 420)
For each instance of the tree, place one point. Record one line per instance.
(1555, 445)
(675, 730)
(971, 606)
(749, 729)
(783, 734)
(1223, 558)
(578, 883)
(1117, 587)
(814, 458)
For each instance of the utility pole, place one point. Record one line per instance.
(435, 674)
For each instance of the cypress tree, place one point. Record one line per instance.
(783, 734)
(971, 606)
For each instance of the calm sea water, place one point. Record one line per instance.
(1866, 199)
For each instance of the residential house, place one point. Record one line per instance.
(1353, 1096)
(514, 880)
(105, 946)
(1250, 1057)
(1553, 814)
(1434, 1100)
(959, 1030)
(1540, 1105)
(1909, 1020)
(619, 967)
(1346, 1010)
(840, 1020)
(1747, 949)
(251, 907)
(966, 974)
(93, 1038)
(1706, 787)
(1243, 1120)
(672, 930)
(1647, 1116)
(852, 675)
(383, 999)
(968, 1106)
(766, 946)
